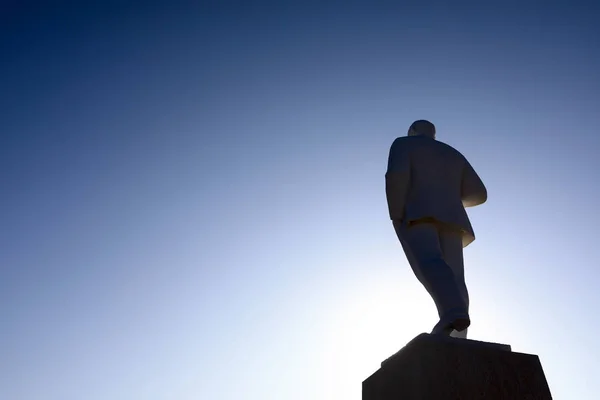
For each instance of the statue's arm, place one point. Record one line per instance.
(473, 190)
(397, 180)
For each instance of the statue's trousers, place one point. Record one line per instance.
(435, 254)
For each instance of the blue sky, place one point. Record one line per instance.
(193, 200)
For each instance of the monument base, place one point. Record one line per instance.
(432, 367)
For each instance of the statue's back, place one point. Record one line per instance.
(435, 184)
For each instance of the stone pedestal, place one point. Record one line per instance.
(432, 367)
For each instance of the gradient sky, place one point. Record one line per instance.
(193, 200)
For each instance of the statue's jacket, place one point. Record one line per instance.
(432, 181)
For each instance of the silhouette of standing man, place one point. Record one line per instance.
(428, 186)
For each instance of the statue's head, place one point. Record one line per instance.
(422, 128)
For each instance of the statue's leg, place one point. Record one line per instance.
(452, 249)
(421, 244)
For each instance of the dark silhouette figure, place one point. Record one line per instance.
(428, 186)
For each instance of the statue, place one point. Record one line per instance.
(428, 186)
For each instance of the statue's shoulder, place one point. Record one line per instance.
(400, 139)
(450, 149)
(416, 143)
(403, 141)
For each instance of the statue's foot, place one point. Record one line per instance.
(458, 321)
(460, 324)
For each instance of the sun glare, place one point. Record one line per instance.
(383, 316)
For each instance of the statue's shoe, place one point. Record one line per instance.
(457, 320)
